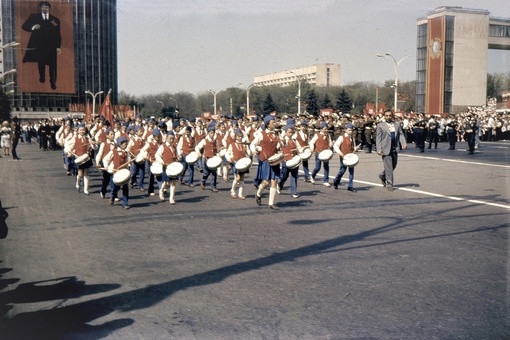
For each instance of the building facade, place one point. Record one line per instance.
(451, 58)
(319, 75)
(85, 32)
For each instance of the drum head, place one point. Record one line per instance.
(82, 159)
(276, 159)
(350, 160)
(325, 155)
(174, 169)
(214, 162)
(192, 158)
(121, 177)
(243, 164)
(306, 154)
(294, 162)
(157, 168)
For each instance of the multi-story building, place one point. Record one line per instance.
(319, 75)
(451, 58)
(85, 33)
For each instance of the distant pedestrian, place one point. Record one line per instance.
(6, 133)
(388, 134)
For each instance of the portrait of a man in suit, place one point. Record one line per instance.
(44, 43)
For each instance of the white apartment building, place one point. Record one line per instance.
(319, 75)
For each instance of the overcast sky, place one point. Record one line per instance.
(197, 45)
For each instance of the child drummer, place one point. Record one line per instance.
(121, 160)
(235, 152)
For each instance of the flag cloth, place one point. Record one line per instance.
(107, 109)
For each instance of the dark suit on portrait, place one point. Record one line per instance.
(43, 44)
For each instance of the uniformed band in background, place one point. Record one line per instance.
(157, 156)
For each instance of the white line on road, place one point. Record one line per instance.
(457, 161)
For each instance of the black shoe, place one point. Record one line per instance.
(258, 199)
(112, 201)
(42, 80)
(335, 185)
(351, 189)
(383, 180)
(274, 207)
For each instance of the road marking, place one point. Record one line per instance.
(458, 161)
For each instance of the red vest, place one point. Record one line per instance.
(199, 135)
(169, 154)
(210, 148)
(81, 147)
(346, 146)
(269, 145)
(138, 144)
(239, 151)
(119, 159)
(290, 149)
(153, 148)
(188, 145)
(322, 142)
(301, 141)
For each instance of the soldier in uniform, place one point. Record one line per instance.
(369, 131)
(433, 132)
(470, 131)
(419, 133)
(451, 132)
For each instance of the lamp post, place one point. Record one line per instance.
(160, 102)
(247, 96)
(11, 44)
(395, 66)
(214, 94)
(174, 101)
(299, 92)
(12, 71)
(93, 101)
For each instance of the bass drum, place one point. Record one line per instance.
(350, 160)
(174, 169)
(192, 158)
(276, 159)
(121, 177)
(243, 164)
(82, 159)
(156, 168)
(325, 155)
(214, 162)
(294, 162)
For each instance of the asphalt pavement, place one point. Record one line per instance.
(426, 261)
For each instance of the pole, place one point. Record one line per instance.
(395, 67)
(93, 101)
(299, 92)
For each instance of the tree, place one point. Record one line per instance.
(344, 102)
(313, 103)
(326, 102)
(5, 106)
(269, 104)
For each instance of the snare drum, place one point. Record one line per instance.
(325, 155)
(350, 160)
(306, 154)
(294, 162)
(214, 162)
(121, 177)
(276, 159)
(174, 169)
(82, 159)
(243, 164)
(156, 168)
(141, 157)
(192, 158)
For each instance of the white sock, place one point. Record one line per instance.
(234, 182)
(241, 183)
(272, 195)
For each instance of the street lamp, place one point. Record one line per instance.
(299, 92)
(160, 102)
(174, 101)
(11, 44)
(93, 101)
(395, 66)
(214, 94)
(247, 96)
(7, 73)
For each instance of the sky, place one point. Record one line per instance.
(199, 45)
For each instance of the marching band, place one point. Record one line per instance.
(141, 155)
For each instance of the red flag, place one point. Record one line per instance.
(106, 109)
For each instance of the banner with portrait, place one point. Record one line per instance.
(44, 30)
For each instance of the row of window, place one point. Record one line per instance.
(499, 31)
